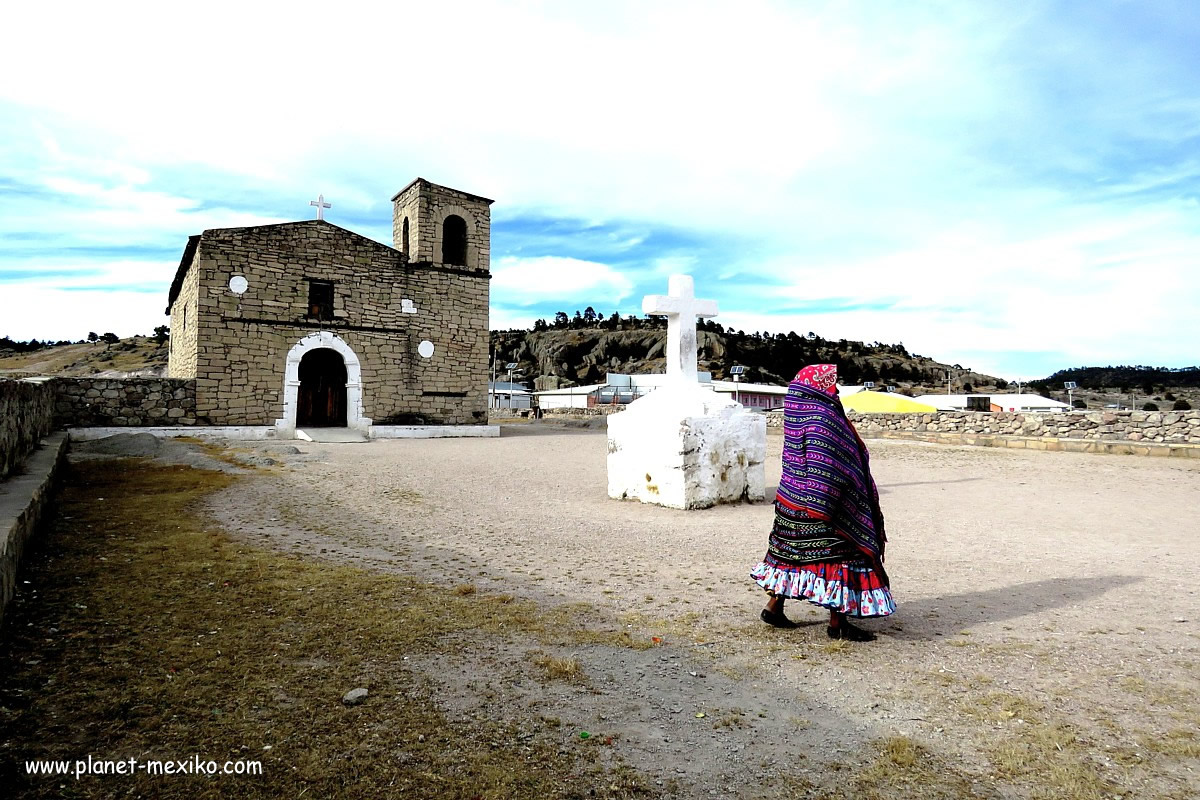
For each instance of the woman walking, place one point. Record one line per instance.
(827, 542)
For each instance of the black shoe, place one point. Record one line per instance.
(849, 633)
(776, 619)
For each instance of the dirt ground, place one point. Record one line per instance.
(1045, 644)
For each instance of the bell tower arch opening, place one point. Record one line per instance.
(454, 240)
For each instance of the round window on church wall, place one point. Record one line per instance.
(425, 349)
(238, 284)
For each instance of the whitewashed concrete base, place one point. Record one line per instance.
(236, 432)
(261, 432)
(433, 431)
(687, 447)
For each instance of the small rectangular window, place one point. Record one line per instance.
(320, 299)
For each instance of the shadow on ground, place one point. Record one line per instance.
(890, 486)
(927, 617)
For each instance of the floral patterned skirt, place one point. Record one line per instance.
(849, 587)
(806, 560)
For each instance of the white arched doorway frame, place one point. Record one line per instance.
(286, 426)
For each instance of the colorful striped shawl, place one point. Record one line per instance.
(826, 470)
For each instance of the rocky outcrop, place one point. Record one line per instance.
(559, 357)
(584, 357)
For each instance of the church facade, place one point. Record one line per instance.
(306, 324)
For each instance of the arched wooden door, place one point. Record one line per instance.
(322, 398)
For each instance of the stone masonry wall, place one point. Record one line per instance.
(26, 416)
(1165, 427)
(184, 339)
(245, 340)
(133, 402)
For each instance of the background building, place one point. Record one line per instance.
(620, 389)
(993, 402)
(502, 394)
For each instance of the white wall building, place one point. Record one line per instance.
(757, 396)
(570, 397)
(502, 394)
(619, 389)
(1020, 403)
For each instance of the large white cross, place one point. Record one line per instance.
(681, 308)
(320, 204)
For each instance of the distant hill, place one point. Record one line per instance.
(1148, 379)
(138, 355)
(580, 351)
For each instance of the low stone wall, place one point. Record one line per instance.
(595, 411)
(1147, 427)
(1053, 443)
(26, 417)
(125, 402)
(23, 501)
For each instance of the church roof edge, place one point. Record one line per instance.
(194, 241)
(415, 181)
(296, 222)
(188, 251)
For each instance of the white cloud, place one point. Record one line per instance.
(988, 169)
(29, 312)
(525, 281)
(115, 275)
(503, 319)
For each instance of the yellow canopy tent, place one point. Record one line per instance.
(884, 403)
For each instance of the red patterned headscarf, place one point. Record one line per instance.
(822, 377)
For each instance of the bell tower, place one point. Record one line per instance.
(438, 225)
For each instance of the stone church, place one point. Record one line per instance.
(306, 324)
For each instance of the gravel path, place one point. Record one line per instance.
(1068, 581)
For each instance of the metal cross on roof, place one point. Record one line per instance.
(320, 204)
(681, 308)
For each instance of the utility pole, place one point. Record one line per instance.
(495, 398)
(512, 365)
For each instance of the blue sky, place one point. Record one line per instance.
(1012, 186)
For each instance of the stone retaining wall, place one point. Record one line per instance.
(24, 499)
(1147, 427)
(124, 402)
(26, 417)
(595, 411)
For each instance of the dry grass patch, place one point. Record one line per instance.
(903, 769)
(1161, 693)
(1178, 743)
(1002, 707)
(732, 718)
(146, 632)
(568, 670)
